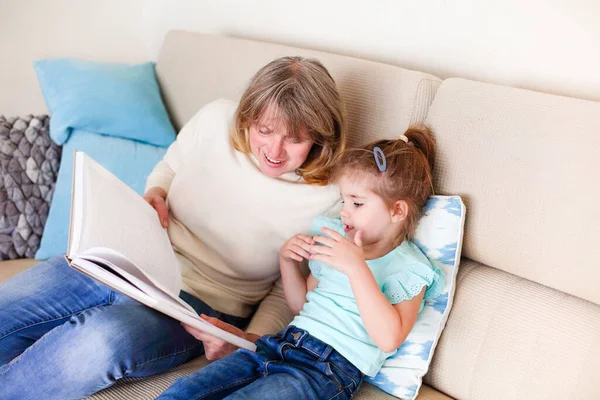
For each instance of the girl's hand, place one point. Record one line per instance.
(215, 348)
(296, 248)
(155, 196)
(339, 252)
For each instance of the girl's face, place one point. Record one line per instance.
(276, 152)
(364, 210)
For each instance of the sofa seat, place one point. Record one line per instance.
(150, 388)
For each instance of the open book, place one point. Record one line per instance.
(116, 238)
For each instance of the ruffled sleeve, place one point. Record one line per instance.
(407, 283)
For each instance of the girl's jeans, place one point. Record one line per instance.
(290, 365)
(64, 335)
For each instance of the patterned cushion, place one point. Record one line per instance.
(439, 235)
(29, 163)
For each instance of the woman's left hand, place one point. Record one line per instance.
(339, 252)
(215, 348)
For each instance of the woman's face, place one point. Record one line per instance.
(275, 151)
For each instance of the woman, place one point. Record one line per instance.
(224, 190)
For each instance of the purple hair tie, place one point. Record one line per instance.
(379, 159)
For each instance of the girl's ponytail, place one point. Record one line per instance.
(421, 138)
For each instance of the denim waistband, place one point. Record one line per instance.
(321, 350)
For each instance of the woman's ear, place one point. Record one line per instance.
(399, 211)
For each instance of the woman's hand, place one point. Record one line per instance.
(156, 196)
(339, 252)
(215, 348)
(296, 248)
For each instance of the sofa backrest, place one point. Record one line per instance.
(381, 100)
(524, 163)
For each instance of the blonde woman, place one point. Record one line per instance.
(239, 180)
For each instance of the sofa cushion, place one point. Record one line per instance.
(525, 164)
(509, 338)
(112, 99)
(150, 388)
(10, 268)
(29, 163)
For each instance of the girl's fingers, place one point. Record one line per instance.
(302, 244)
(301, 252)
(306, 239)
(316, 249)
(325, 240)
(290, 254)
(333, 234)
(358, 238)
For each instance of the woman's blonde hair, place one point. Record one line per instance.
(306, 97)
(408, 172)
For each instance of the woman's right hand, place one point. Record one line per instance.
(296, 248)
(156, 196)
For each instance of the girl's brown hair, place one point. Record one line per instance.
(306, 97)
(408, 173)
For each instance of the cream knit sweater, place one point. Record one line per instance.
(227, 221)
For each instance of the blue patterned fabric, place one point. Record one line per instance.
(439, 235)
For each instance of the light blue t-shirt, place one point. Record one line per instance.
(331, 314)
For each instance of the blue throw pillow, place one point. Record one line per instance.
(113, 99)
(130, 161)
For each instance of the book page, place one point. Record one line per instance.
(108, 213)
(114, 261)
(165, 306)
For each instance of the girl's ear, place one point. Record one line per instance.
(399, 211)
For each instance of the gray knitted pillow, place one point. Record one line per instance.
(29, 163)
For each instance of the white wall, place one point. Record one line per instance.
(107, 30)
(546, 45)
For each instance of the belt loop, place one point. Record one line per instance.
(284, 331)
(326, 353)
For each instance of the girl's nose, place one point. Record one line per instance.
(344, 213)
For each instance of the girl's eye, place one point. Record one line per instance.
(358, 204)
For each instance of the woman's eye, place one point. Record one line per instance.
(294, 140)
(264, 131)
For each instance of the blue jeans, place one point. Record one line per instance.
(290, 365)
(64, 335)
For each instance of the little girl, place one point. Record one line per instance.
(366, 285)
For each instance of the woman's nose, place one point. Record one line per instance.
(277, 146)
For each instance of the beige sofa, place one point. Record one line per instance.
(525, 323)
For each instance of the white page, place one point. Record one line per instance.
(167, 307)
(108, 213)
(125, 268)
